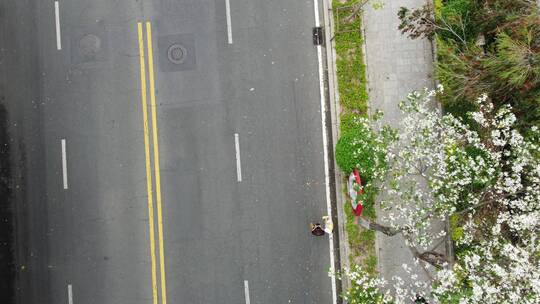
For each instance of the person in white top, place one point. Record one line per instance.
(328, 224)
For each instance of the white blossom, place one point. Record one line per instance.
(440, 167)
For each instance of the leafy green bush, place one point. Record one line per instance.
(360, 147)
(368, 200)
(483, 46)
(458, 14)
(371, 261)
(516, 64)
(474, 169)
(346, 121)
(458, 72)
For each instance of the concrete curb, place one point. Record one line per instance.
(335, 110)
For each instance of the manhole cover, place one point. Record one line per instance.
(176, 53)
(89, 45)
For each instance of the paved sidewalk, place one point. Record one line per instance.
(396, 66)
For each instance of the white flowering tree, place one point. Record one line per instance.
(486, 178)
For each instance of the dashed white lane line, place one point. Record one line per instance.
(70, 294)
(229, 26)
(246, 291)
(238, 163)
(57, 21)
(325, 154)
(64, 164)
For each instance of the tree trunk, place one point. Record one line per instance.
(438, 260)
(432, 257)
(355, 12)
(387, 230)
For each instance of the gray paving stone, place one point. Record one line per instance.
(397, 65)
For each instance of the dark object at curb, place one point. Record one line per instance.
(316, 229)
(318, 35)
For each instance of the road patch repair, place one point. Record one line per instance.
(90, 44)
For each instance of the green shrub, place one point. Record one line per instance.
(457, 233)
(506, 67)
(438, 5)
(365, 288)
(359, 147)
(460, 160)
(371, 263)
(458, 13)
(516, 64)
(367, 236)
(347, 121)
(368, 200)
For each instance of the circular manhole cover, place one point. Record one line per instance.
(89, 45)
(176, 53)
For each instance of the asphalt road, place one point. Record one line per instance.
(115, 225)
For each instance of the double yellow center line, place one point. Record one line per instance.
(149, 184)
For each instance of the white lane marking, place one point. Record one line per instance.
(246, 291)
(64, 164)
(325, 154)
(70, 294)
(238, 163)
(229, 27)
(57, 20)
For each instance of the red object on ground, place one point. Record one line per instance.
(358, 210)
(359, 207)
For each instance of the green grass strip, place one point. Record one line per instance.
(351, 70)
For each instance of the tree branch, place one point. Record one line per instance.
(438, 260)
(386, 230)
(356, 9)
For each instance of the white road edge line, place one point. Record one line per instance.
(246, 291)
(57, 20)
(229, 27)
(70, 294)
(325, 154)
(238, 163)
(64, 164)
